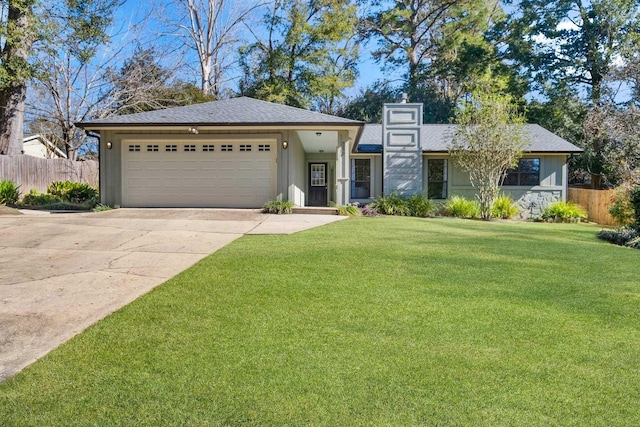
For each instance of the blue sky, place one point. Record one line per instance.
(134, 11)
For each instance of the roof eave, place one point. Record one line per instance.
(525, 151)
(97, 126)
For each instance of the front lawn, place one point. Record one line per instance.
(368, 321)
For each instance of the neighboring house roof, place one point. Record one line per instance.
(47, 148)
(437, 138)
(242, 111)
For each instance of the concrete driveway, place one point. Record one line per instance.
(60, 273)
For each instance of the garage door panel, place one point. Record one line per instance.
(206, 177)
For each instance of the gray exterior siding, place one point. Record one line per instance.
(532, 200)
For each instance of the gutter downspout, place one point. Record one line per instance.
(96, 135)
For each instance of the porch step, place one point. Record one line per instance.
(312, 210)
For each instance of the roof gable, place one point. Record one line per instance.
(39, 139)
(236, 111)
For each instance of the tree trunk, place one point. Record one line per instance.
(13, 91)
(205, 78)
(12, 118)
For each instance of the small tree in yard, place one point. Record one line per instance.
(488, 142)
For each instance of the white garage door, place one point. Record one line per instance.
(198, 174)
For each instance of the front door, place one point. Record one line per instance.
(317, 184)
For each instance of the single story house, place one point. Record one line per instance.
(39, 146)
(242, 152)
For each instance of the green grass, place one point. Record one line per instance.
(368, 321)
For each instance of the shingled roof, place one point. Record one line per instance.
(436, 139)
(242, 111)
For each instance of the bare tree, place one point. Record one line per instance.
(71, 84)
(144, 83)
(209, 28)
(97, 77)
(70, 92)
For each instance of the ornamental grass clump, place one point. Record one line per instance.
(395, 204)
(392, 204)
(459, 207)
(564, 212)
(9, 192)
(278, 207)
(420, 206)
(348, 210)
(504, 208)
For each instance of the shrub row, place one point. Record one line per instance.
(455, 206)
(394, 204)
(74, 192)
(623, 236)
(59, 195)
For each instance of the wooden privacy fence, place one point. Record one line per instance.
(596, 202)
(31, 172)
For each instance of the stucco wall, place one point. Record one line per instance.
(402, 154)
(296, 180)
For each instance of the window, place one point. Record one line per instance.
(135, 147)
(208, 147)
(318, 174)
(264, 147)
(245, 147)
(360, 178)
(152, 147)
(226, 147)
(189, 147)
(436, 178)
(527, 173)
(170, 147)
